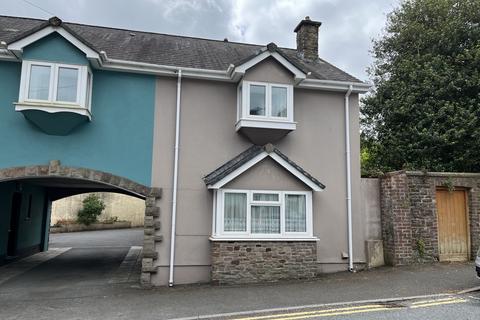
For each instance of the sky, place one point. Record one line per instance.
(345, 38)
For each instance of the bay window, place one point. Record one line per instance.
(265, 105)
(249, 214)
(51, 85)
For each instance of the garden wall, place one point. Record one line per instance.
(410, 218)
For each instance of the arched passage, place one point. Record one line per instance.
(37, 186)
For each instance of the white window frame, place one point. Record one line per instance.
(244, 101)
(218, 216)
(82, 96)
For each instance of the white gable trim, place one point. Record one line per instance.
(247, 165)
(257, 159)
(241, 69)
(18, 46)
(295, 172)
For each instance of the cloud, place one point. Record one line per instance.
(345, 35)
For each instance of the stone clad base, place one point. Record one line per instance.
(238, 262)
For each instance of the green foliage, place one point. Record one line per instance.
(421, 248)
(425, 111)
(92, 208)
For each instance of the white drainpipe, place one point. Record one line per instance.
(349, 179)
(175, 180)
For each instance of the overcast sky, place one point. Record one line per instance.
(345, 35)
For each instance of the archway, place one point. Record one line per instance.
(54, 181)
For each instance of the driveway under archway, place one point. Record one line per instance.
(26, 194)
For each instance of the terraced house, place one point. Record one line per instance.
(247, 155)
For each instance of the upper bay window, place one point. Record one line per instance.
(249, 214)
(264, 105)
(55, 86)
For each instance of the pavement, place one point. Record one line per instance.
(94, 275)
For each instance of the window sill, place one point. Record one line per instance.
(266, 123)
(53, 108)
(214, 239)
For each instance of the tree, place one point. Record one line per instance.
(92, 208)
(425, 110)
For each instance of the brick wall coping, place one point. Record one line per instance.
(263, 239)
(433, 174)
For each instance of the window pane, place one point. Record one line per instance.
(67, 84)
(39, 82)
(279, 102)
(235, 212)
(265, 197)
(265, 219)
(295, 213)
(257, 100)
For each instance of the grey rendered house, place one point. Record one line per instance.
(255, 148)
(261, 190)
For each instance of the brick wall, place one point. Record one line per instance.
(396, 220)
(237, 262)
(409, 215)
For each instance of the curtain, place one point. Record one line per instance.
(265, 219)
(295, 213)
(235, 212)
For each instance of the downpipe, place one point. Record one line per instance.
(175, 181)
(349, 179)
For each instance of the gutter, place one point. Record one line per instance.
(349, 178)
(175, 182)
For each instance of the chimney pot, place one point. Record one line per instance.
(307, 38)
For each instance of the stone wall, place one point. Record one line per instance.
(236, 262)
(409, 214)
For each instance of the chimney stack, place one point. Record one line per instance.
(307, 38)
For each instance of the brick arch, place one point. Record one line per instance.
(152, 212)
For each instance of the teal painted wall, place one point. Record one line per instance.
(119, 139)
(6, 191)
(30, 230)
(54, 48)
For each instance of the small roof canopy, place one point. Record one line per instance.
(250, 157)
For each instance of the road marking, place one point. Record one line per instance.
(438, 303)
(433, 300)
(339, 313)
(311, 306)
(16, 268)
(126, 268)
(372, 306)
(354, 310)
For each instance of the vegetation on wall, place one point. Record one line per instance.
(425, 110)
(92, 208)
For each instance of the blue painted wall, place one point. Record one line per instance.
(119, 139)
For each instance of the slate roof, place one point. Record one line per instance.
(169, 50)
(238, 161)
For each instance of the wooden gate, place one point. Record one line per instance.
(453, 226)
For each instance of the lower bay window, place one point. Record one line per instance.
(260, 214)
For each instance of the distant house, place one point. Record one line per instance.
(247, 144)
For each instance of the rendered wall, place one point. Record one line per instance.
(208, 139)
(119, 138)
(6, 191)
(30, 231)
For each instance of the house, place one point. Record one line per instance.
(247, 155)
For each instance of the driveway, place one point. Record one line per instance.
(77, 262)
